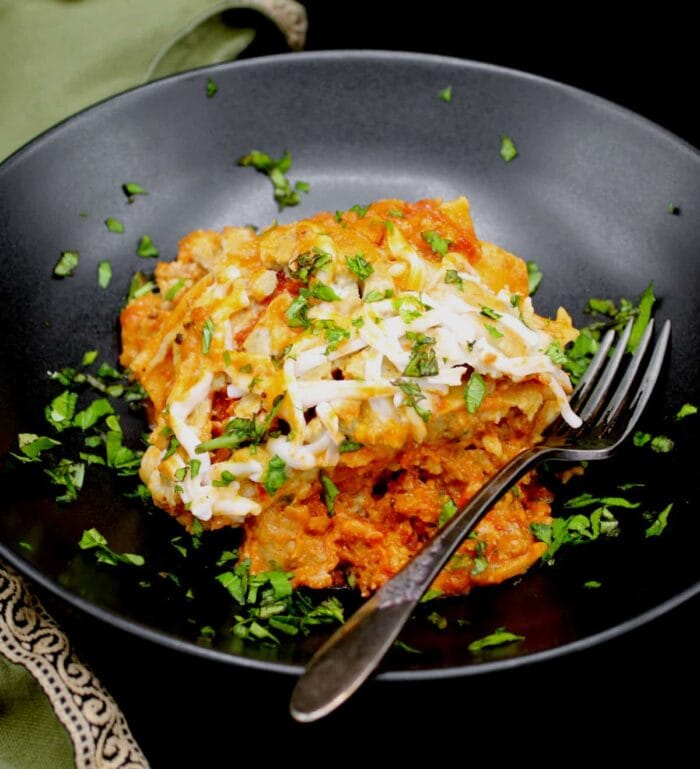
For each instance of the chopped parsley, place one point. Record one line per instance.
(359, 266)
(574, 530)
(494, 332)
(32, 446)
(139, 286)
(330, 492)
(241, 432)
(146, 248)
(499, 637)
(92, 539)
(207, 335)
(446, 94)
(641, 321)
(489, 313)
(438, 620)
(305, 265)
(88, 417)
(175, 289)
(226, 479)
(276, 170)
(275, 475)
(447, 512)
(423, 361)
(534, 277)
(555, 352)
(377, 296)
(586, 500)
(452, 277)
(114, 225)
(347, 446)
(212, 88)
(104, 273)
(324, 293)
(409, 307)
(592, 584)
(474, 392)
(59, 413)
(361, 211)
(508, 149)
(662, 444)
(67, 264)
(70, 475)
(686, 410)
(640, 438)
(131, 189)
(297, 314)
(437, 244)
(659, 523)
(413, 394)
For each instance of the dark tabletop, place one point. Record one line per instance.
(186, 711)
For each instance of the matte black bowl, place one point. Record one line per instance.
(587, 198)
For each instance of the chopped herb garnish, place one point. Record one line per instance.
(70, 475)
(360, 266)
(88, 417)
(139, 286)
(586, 500)
(275, 475)
(131, 189)
(489, 313)
(592, 584)
(515, 300)
(377, 296)
(452, 277)
(474, 392)
(499, 637)
(175, 542)
(686, 410)
(404, 647)
(276, 170)
(641, 438)
(575, 530)
(114, 225)
(662, 444)
(32, 445)
(660, 523)
(446, 94)
(493, 332)
(212, 88)
(330, 492)
(361, 211)
(239, 432)
(447, 511)
(59, 413)
(175, 289)
(324, 293)
(297, 314)
(92, 539)
(409, 307)
(226, 479)
(646, 302)
(67, 264)
(104, 273)
(146, 248)
(534, 277)
(207, 335)
(423, 361)
(89, 357)
(431, 595)
(508, 149)
(438, 620)
(304, 266)
(347, 446)
(413, 394)
(334, 334)
(437, 244)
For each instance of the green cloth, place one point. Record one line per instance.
(59, 56)
(27, 719)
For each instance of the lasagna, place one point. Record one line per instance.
(339, 386)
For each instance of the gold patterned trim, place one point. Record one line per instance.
(29, 636)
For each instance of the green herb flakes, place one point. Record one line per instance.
(276, 170)
(592, 584)
(207, 335)
(104, 273)
(70, 475)
(499, 637)
(437, 244)
(413, 395)
(67, 264)
(423, 361)
(662, 444)
(88, 417)
(146, 248)
(534, 277)
(438, 620)
(324, 293)
(641, 438)
(446, 94)
(474, 392)
(452, 277)
(275, 475)
(59, 413)
(131, 189)
(641, 321)
(32, 446)
(114, 225)
(297, 314)
(686, 410)
(92, 539)
(659, 523)
(508, 149)
(347, 446)
(361, 211)
(212, 88)
(447, 512)
(330, 492)
(175, 289)
(359, 266)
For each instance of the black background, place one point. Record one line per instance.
(627, 692)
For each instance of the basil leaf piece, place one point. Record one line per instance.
(474, 392)
(508, 149)
(438, 245)
(275, 475)
(660, 523)
(146, 248)
(499, 637)
(67, 264)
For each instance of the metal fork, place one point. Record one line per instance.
(347, 659)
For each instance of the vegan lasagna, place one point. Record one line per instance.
(339, 386)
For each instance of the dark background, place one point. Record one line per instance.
(627, 692)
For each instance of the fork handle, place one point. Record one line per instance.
(350, 655)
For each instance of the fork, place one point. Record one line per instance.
(348, 658)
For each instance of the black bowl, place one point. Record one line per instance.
(587, 198)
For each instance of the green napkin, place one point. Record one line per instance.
(59, 56)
